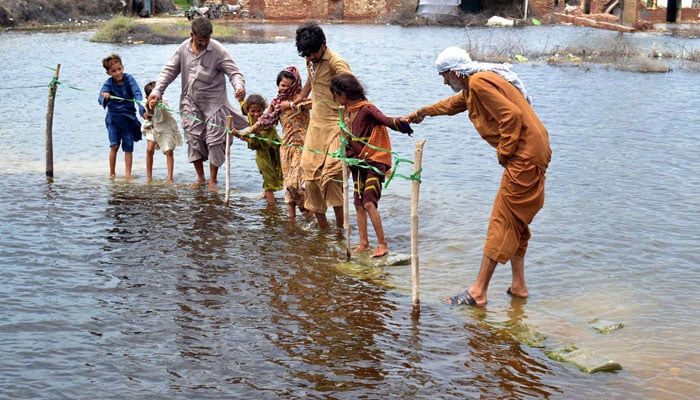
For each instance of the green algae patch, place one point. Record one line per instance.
(603, 326)
(364, 267)
(585, 360)
(522, 333)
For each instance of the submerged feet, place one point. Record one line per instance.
(517, 293)
(462, 299)
(362, 247)
(380, 251)
(465, 298)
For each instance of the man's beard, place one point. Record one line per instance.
(455, 84)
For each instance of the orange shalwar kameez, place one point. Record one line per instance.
(505, 119)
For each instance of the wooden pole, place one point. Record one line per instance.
(417, 162)
(49, 123)
(346, 195)
(346, 207)
(229, 129)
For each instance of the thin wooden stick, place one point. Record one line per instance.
(229, 128)
(346, 196)
(346, 209)
(417, 162)
(49, 123)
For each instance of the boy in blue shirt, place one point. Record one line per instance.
(119, 95)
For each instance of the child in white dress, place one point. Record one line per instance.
(161, 131)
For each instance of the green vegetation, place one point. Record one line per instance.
(183, 4)
(125, 30)
(117, 27)
(180, 29)
(224, 31)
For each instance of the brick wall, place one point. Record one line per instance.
(658, 14)
(348, 10)
(540, 8)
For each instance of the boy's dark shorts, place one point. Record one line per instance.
(123, 130)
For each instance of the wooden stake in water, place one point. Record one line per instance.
(346, 203)
(417, 162)
(49, 123)
(229, 130)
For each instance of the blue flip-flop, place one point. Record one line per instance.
(461, 299)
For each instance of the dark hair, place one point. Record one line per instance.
(348, 84)
(254, 99)
(202, 26)
(149, 87)
(111, 59)
(309, 39)
(285, 74)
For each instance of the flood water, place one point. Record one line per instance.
(122, 290)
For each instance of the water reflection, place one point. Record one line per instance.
(121, 289)
(330, 322)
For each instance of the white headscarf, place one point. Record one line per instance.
(457, 60)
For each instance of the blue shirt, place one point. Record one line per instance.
(129, 90)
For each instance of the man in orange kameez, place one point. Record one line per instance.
(499, 107)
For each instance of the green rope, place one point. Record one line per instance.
(355, 162)
(363, 163)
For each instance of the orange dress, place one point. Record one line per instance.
(294, 124)
(504, 118)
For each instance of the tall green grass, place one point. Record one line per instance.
(183, 4)
(116, 27)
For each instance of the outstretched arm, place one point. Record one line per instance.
(395, 123)
(449, 106)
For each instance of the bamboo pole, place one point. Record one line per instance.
(417, 162)
(49, 123)
(229, 131)
(346, 195)
(346, 207)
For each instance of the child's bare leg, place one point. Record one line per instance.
(150, 150)
(213, 173)
(128, 161)
(113, 160)
(308, 214)
(382, 247)
(339, 217)
(170, 161)
(322, 221)
(362, 230)
(199, 169)
(270, 197)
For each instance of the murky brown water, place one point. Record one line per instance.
(118, 290)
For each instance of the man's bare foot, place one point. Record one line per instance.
(380, 251)
(148, 180)
(128, 177)
(212, 187)
(169, 181)
(518, 293)
(112, 176)
(196, 185)
(362, 247)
